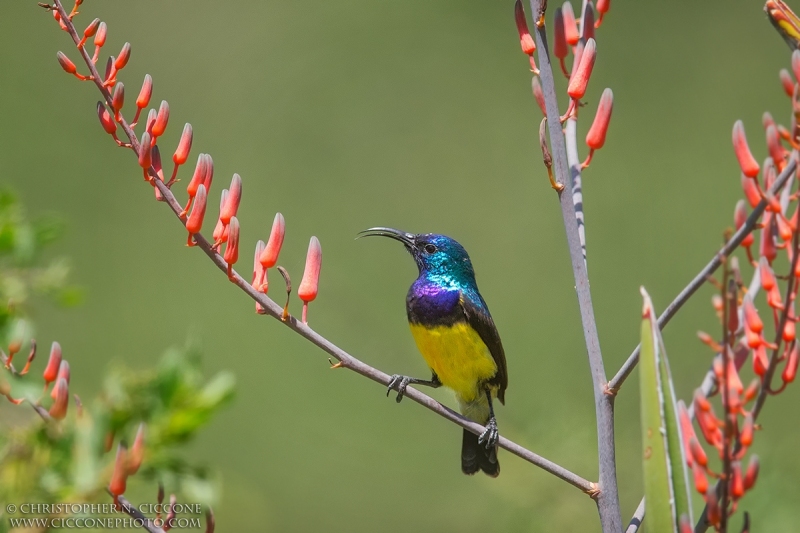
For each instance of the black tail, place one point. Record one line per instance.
(476, 456)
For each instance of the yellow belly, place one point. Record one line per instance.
(458, 356)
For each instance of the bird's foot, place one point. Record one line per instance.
(399, 383)
(490, 435)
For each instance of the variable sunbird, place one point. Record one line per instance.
(457, 337)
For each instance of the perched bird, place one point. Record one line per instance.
(457, 337)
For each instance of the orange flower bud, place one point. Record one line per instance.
(151, 119)
(105, 119)
(119, 476)
(123, 57)
(709, 427)
(232, 248)
(209, 172)
(234, 198)
(162, 118)
(701, 403)
(145, 92)
(118, 99)
(713, 513)
(100, 36)
(734, 382)
(538, 94)
(597, 133)
(53, 364)
(602, 7)
(158, 167)
(560, 49)
(570, 26)
(698, 453)
(767, 248)
(309, 286)
(258, 268)
(700, 479)
(525, 40)
(796, 64)
(776, 150)
(269, 257)
(746, 160)
(59, 408)
(199, 176)
(789, 330)
(785, 231)
(746, 436)
(145, 153)
(787, 82)
(751, 317)
(31, 356)
(737, 483)
(767, 275)
(750, 187)
(220, 231)
(137, 451)
(752, 390)
(751, 474)
(587, 23)
(184, 146)
(91, 29)
(68, 66)
(580, 78)
(195, 221)
(760, 360)
(790, 370)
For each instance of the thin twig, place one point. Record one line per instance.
(274, 310)
(607, 497)
(133, 512)
(708, 270)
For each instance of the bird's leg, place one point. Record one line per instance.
(490, 435)
(399, 383)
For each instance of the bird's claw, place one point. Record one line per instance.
(399, 383)
(490, 435)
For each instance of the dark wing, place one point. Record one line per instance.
(481, 321)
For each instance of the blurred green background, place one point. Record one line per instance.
(417, 115)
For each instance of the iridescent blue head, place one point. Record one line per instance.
(437, 256)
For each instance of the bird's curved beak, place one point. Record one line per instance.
(402, 236)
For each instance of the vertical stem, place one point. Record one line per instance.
(607, 498)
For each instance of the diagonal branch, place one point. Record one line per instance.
(702, 276)
(607, 497)
(274, 310)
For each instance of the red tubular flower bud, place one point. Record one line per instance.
(119, 476)
(100, 36)
(734, 382)
(53, 363)
(701, 403)
(145, 92)
(151, 119)
(234, 197)
(145, 153)
(587, 24)
(570, 26)
(310, 285)
(708, 424)
(269, 258)
(785, 231)
(745, 157)
(751, 316)
(560, 49)
(162, 118)
(789, 330)
(580, 78)
(767, 275)
(787, 82)
(199, 176)
(766, 120)
(700, 479)
(118, 99)
(184, 146)
(768, 248)
(746, 435)
(740, 218)
(750, 188)
(538, 94)
(195, 221)
(737, 483)
(685, 525)
(760, 360)
(68, 66)
(698, 453)
(602, 7)
(751, 474)
(232, 248)
(597, 133)
(687, 431)
(91, 29)
(776, 150)
(713, 513)
(105, 119)
(790, 370)
(220, 234)
(123, 57)
(796, 64)
(258, 268)
(751, 391)
(525, 39)
(59, 408)
(136, 453)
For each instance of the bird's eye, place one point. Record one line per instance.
(429, 248)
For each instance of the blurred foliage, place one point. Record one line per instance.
(68, 460)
